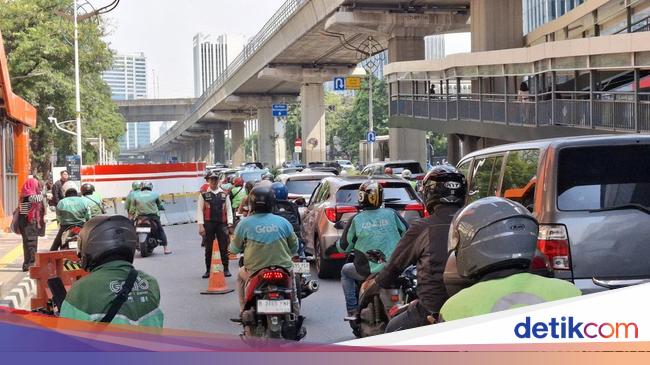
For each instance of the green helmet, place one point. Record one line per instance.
(136, 185)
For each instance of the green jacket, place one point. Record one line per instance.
(146, 202)
(73, 210)
(511, 292)
(237, 195)
(94, 202)
(89, 298)
(269, 241)
(128, 202)
(373, 229)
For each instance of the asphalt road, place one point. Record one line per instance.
(179, 277)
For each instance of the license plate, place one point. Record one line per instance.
(72, 245)
(301, 268)
(273, 306)
(143, 229)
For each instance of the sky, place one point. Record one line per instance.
(163, 31)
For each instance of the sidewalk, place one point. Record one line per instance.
(11, 260)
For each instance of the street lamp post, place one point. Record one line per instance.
(76, 80)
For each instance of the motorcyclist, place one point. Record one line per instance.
(495, 241)
(425, 245)
(94, 200)
(388, 171)
(244, 208)
(284, 207)
(269, 240)
(128, 202)
(107, 246)
(214, 217)
(237, 193)
(408, 176)
(267, 180)
(147, 203)
(374, 228)
(71, 211)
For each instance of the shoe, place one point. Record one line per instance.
(236, 320)
(206, 275)
(227, 273)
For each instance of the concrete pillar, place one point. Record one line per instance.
(406, 143)
(237, 132)
(205, 150)
(280, 142)
(218, 146)
(266, 136)
(453, 149)
(469, 144)
(496, 24)
(313, 122)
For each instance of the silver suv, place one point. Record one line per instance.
(591, 196)
(334, 202)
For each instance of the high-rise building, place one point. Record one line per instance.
(127, 79)
(212, 55)
(434, 47)
(539, 12)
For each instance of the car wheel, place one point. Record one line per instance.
(326, 269)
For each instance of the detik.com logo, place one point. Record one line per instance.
(568, 327)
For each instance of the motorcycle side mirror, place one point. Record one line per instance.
(301, 202)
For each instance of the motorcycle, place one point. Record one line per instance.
(305, 285)
(70, 237)
(145, 228)
(377, 306)
(269, 311)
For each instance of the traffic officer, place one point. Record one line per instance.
(425, 245)
(214, 216)
(494, 240)
(113, 292)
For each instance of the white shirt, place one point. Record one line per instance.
(200, 203)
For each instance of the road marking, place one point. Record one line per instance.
(10, 257)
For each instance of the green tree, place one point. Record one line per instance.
(38, 36)
(250, 143)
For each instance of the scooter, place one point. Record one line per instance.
(70, 238)
(145, 228)
(269, 311)
(377, 306)
(305, 285)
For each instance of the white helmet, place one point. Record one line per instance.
(406, 173)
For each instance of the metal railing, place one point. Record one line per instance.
(606, 111)
(12, 192)
(286, 11)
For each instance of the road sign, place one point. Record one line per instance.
(280, 110)
(73, 166)
(371, 137)
(339, 83)
(297, 145)
(353, 83)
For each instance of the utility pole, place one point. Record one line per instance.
(76, 80)
(371, 126)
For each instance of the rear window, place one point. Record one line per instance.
(394, 192)
(399, 167)
(302, 187)
(251, 175)
(603, 177)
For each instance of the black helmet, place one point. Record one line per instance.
(492, 234)
(444, 184)
(87, 189)
(147, 185)
(106, 238)
(261, 199)
(371, 195)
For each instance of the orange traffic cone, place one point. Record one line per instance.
(217, 281)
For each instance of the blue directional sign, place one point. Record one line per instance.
(371, 137)
(280, 110)
(339, 84)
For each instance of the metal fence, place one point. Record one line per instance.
(11, 193)
(599, 110)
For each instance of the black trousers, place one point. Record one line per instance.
(220, 232)
(159, 231)
(29, 232)
(56, 244)
(415, 316)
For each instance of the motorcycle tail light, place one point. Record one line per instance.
(274, 276)
(75, 230)
(418, 207)
(394, 298)
(274, 295)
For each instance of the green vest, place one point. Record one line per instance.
(73, 210)
(511, 292)
(237, 195)
(94, 204)
(90, 298)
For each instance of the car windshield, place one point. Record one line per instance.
(603, 177)
(251, 175)
(344, 162)
(414, 167)
(302, 187)
(393, 192)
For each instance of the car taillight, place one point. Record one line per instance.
(334, 214)
(553, 242)
(418, 207)
(274, 276)
(419, 177)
